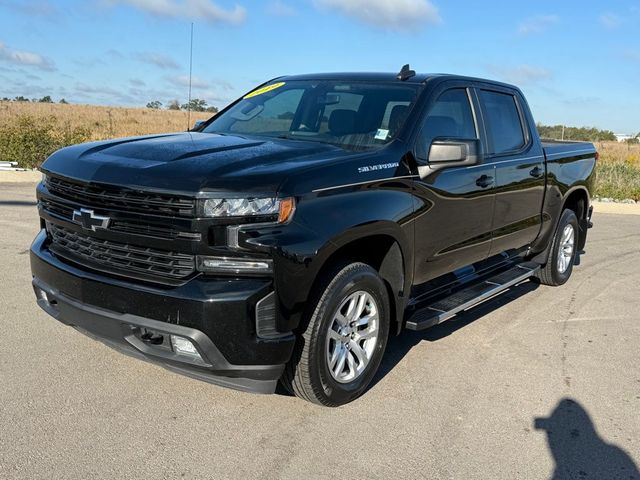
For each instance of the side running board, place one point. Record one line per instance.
(470, 296)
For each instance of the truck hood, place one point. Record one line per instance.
(191, 162)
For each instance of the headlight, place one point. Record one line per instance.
(244, 207)
(240, 207)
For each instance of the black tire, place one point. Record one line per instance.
(307, 375)
(550, 274)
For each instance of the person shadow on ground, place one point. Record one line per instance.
(578, 451)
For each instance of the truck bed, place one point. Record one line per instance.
(564, 148)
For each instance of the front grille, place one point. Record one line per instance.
(119, 258)
(139, 227)
(111, 197)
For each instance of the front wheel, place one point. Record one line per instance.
(563, 251)
(338, 354)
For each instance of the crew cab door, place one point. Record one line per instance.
(455, 201)
(519, 169)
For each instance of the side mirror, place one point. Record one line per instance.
(197, 125)
(445, 152)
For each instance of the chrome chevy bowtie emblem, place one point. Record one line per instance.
(89, 220)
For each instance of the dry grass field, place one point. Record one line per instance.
(618, 172)
(102, 122)
(29, 132)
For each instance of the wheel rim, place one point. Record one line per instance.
(352, 336)
(565, 249)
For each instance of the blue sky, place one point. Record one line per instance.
(578, 62)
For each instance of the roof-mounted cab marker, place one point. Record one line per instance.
(406, 73)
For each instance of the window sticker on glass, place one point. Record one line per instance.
(382, 134)
(264, 89)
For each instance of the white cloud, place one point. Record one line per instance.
(113, 53)
(390, 14)
(31, 7)
(520, 75)
(537, 24)
(632, 55)
(23, 57)
(183, 81)
(610, 20)
(159, 60)
(91, 89)
(280, 9)
(204, 10)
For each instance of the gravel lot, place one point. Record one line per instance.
(539, 380)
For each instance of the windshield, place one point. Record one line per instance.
(352, 115)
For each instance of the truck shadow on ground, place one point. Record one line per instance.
(577, 449)
(400, 345)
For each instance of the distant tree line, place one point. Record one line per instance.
(45, 99)
(195, 105)
(586, 134)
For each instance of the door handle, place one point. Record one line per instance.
(484, 181)
(537, 172)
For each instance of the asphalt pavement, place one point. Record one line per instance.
(539, 383)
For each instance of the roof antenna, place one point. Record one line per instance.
(405, 73)
(190, 71)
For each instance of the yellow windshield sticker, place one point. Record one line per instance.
(264, 89)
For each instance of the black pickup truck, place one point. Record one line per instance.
(286, 238)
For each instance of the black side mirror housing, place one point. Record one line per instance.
(451, 152)
(197, 125)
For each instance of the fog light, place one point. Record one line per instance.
(184, 346)
(238, 266)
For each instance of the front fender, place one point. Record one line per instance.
(322, 225)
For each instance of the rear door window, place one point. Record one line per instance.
(503, 122)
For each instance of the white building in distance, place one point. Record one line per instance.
(623, 137)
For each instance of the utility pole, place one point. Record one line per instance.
(562, 133)
(190, 75)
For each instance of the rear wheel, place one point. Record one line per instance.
(338, 354)
(563, 251)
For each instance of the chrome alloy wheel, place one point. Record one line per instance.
(352, 336)
(565, 253)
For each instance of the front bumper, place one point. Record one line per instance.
(216, 315)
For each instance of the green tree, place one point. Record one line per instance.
(46, 99)
(195, 105)
(155, 105)
(212, 109)
(63, 101)
(173, 105)
(20, 98)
